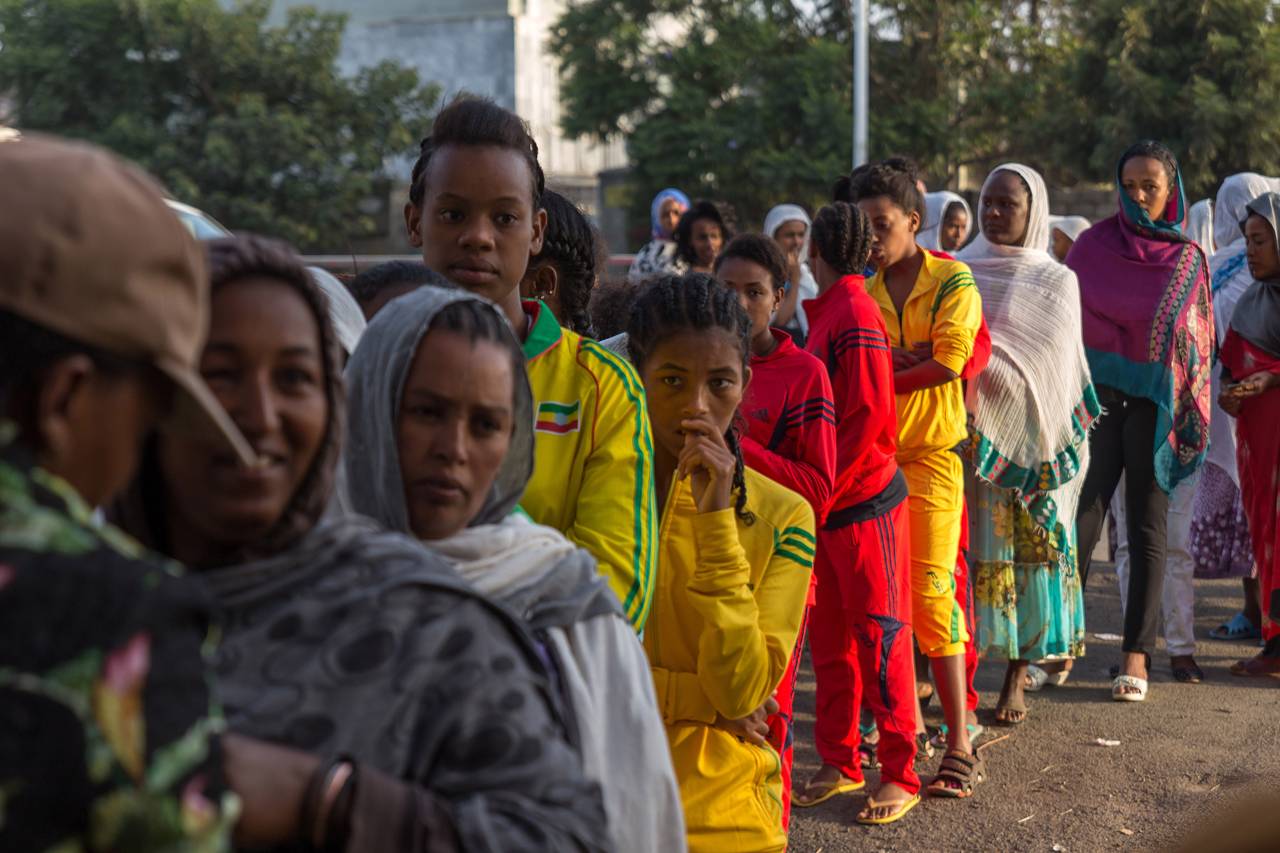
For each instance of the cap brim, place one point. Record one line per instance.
(197, 412)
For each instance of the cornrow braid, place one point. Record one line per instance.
(575, 248)
(472, 121)
(670, 304)
(842, 235)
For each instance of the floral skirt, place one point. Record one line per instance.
(1027, 594)
(1220, 540)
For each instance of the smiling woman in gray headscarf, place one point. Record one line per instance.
(441, 447)
(340, 638)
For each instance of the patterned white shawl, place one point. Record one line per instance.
(1034, 404)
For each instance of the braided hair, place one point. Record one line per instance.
(670, 304)
(895, 177)
(472, 121)
(1156, 151)
(842, 235)
(759, 250)
(576, 250)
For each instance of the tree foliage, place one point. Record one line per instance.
(750, 100)
(1200, 77)
(252, 122)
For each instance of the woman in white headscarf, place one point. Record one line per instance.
(344, 312)
(1032, 409)
(1219, 541)
(1063, 233)
(1199, 225)
(788, 226)
(948, 222)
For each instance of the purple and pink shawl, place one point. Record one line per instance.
(1147, 311)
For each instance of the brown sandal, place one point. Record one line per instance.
(964, 771)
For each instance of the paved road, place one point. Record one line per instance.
(1184, 755)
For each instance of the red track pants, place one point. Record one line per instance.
(782, 724)
(860, 641)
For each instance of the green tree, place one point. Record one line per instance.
(251, 122)
(1200, 77)
(749, 100)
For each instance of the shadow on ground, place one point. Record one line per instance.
(1184, 756)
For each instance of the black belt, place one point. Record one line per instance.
(890, 496)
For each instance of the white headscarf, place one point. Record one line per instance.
(1199, 225)
(935, 208)
(1034, 403)
(1072, 226)
(344, 312)
(1233, 197)
(779, 216)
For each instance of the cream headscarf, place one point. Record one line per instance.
(1199, 225)
(935, 206)
(1072, 226)
(1035, 402)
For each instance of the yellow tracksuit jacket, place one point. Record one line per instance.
(593, 457)
(945, 309)
(727, 608)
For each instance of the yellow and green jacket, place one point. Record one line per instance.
(944, 309)
(593, 457)
(727, 609)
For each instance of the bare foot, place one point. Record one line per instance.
(1011, 709)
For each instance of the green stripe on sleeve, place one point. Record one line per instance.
(801, 532)
(640, 596)
(795, 558)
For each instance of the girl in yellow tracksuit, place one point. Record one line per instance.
(735, 551)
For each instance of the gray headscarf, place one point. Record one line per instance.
(1257, 314)
(551, 583)
(375, 380)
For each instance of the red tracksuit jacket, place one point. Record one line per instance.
(848, 335)
(791, 422)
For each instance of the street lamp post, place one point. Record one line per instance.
(859, 82)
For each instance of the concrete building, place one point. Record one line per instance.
(488, 47)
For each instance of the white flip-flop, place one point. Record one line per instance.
(1138, 684)
(1037, 679)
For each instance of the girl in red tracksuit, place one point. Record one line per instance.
(790, 434)
(860, 637)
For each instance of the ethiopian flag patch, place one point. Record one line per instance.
(559, 418)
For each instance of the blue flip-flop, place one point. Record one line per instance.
(1240, 628)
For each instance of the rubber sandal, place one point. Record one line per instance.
(1192, 674)
(939, 739)
(1236, 629)
(1037, 679)
(846, 787)
(967, 771)
(1139, 685)
(1026, 712)
(904, 806)
(924, 747)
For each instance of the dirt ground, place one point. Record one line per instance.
(1185, 755)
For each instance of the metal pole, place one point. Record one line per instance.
(859, 82)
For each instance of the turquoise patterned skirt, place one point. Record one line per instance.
(1028, 601)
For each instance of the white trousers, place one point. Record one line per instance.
(1179, 598)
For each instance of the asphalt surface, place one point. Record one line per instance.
(1184, 756)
